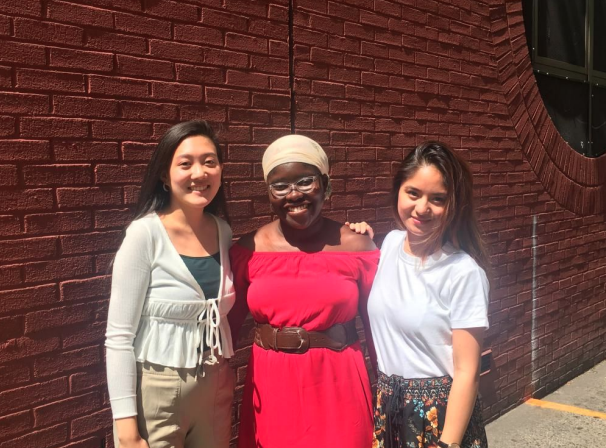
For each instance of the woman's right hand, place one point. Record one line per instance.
(128, 433)
(361, 228)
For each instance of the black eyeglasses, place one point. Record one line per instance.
(304, 185)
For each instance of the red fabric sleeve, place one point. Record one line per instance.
(368, 268)
(239, 257)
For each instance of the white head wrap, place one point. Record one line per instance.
(294, 148)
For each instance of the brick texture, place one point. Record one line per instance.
(87, 88)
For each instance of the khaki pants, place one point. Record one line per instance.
(180, 408)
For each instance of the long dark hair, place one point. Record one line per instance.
(459, 225)
(153, 197)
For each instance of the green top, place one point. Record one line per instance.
(207, 272)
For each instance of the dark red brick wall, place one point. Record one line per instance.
(87, 88)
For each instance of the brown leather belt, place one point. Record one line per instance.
(298, 340)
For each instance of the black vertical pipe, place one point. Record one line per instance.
(291, 64)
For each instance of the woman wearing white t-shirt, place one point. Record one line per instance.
(167, 332)
(428, 308)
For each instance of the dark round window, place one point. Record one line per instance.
(567, 45)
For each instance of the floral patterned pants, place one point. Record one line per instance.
(410, 413)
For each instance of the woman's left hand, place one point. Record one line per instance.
(361, 228)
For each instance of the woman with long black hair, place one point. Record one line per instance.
(167, 333)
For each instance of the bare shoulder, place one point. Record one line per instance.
(258, 240)
(248, 240)
(354, 242)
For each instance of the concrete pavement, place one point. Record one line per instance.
(573, 416)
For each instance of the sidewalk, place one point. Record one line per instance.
(573, 416)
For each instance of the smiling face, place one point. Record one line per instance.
(422, 202)
(297, 210)
(194, 176)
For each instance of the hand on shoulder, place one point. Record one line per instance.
(355, 242)
(361, 228)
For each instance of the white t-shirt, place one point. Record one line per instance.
(413, 307)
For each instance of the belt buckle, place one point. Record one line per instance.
(303, 340)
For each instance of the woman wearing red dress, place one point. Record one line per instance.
(304, 278)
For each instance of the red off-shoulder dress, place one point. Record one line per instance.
(321, 398)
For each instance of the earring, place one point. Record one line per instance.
(165, 188)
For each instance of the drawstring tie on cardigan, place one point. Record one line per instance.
(209, 321)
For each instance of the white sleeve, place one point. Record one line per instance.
(226, 230)
(391, 239)
(130, 281)
(469, 299)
